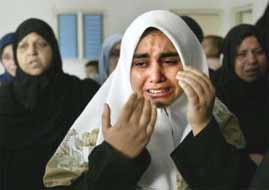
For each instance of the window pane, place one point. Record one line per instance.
(92, 36)
(68, 35)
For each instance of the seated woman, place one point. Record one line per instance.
(242, 85)
(37, 108)
(156, 100)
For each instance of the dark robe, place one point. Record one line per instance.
(247, 100)
(261, 179)
(5, 78)
(36, 113)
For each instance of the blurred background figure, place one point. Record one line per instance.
(109, 56)
(6, 58)
(213, 45)
(195, 27)
(91, 70)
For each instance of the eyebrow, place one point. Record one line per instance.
(141, 55)
(163, 55)
(169, 54)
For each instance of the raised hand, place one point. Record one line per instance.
(134, 127)
(201, 94)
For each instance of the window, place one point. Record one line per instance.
(80, 35)
(243, 14)
(92, 36)
(67, 28)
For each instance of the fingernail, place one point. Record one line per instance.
(105, 106)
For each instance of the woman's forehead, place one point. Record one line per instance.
(32, 36)
(155, 38)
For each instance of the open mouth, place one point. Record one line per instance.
(252, 72)
(34, 64)
(159, 93)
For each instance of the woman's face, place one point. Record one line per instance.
(114, 57)
(8, 60)
(154, 68)
(250, 60)
(34, 54)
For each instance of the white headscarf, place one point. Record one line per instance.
(108, 44)
(171, 125)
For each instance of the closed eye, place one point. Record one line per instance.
(171, 61)
(140, 63)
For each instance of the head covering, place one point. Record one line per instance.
(171, 125)
(263, 23)
(195, 27)
(35, 114)
(7, 39)
(108, 44)
(43, 29)
(247, 100)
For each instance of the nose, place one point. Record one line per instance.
(252, 57)
(32, 49)
(156, 73)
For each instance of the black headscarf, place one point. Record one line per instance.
(247, 100)
(36, 113)
(262, 25)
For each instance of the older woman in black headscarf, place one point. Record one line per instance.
(37, 108)
(243, 84)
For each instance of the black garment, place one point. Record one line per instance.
(5, 78)
(213, 75)
(247, 100)
(261, 178)
(262, 25)
(207, 162)
(36, 113)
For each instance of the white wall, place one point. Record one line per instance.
(118, 14)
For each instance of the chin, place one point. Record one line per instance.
(160, 104)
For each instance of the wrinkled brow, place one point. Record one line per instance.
(141, 55)
(163, 55)
(169, 54)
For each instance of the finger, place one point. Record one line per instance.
(203, 77)
(152, 122)
(190, 93)
(199, 87)
(135, 117)
(106, 123)
(128, 108)
(146, 114)
(204, 89)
